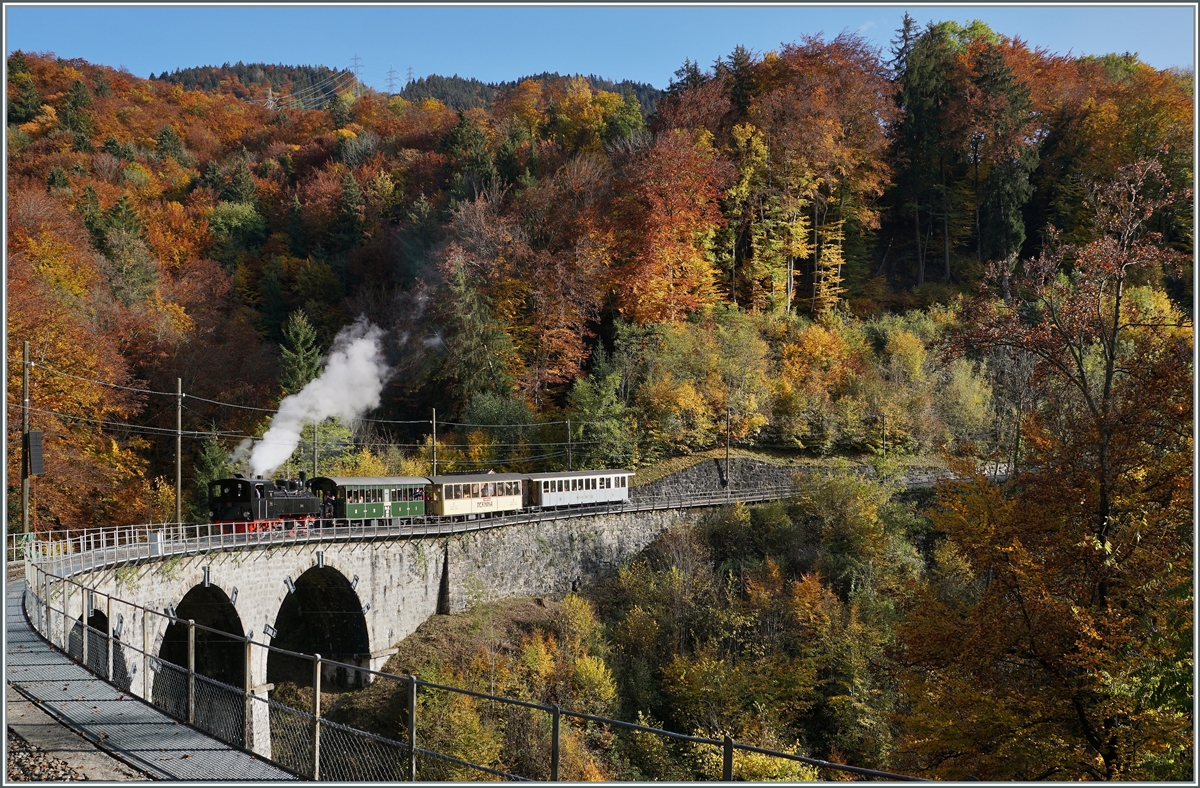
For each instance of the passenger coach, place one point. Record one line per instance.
(476, 493)
(369, 497)
(577, 488)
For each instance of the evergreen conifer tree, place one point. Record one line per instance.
(300, 354)
(169, 144)
(28, 102)
(348, 230)
(213, 464)
(211, 177)
(240, 188)
(295, 226)
(17, 64)
(74, 118)
(339, 111)
(475, 168)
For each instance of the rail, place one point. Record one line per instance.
(72, 552)
(304, 741)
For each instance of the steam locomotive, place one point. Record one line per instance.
(241, 505)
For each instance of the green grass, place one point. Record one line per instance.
(786, 457)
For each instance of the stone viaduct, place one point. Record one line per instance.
(348, 596)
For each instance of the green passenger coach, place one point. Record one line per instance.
(369, 497)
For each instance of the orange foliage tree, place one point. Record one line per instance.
(663, 218)
(1056, 638)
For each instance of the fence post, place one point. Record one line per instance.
(108, 632)
(316, 710)
(47, 626)
(554, 742)
(247, 690)
(727, 772)
(66, 641)
(145, 656)
(412, 727)
(191, 684)
(85, 612)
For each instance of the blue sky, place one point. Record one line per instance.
(646, 44)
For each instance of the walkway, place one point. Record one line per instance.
(132, 731)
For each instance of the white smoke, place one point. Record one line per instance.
(347, 388)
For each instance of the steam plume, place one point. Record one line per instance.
(348, 387)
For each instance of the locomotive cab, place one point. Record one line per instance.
(236, 500)
(253, 504)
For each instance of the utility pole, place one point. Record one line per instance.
(271, 99)
(410, 75)
(25, 442)
(391, 79)
(178, 450)
(569, 463)
(727, 433)
(314, 473)
(434, 443)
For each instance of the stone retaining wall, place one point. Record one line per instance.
(709, 476)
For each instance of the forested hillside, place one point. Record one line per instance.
(309, 87)
(962, 247)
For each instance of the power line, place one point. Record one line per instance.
(338, 82)
(97, 382)
(142, 428)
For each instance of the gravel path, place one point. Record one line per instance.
(28, 762)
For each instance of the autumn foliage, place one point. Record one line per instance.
(962, 247)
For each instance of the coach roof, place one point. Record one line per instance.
(373, 481)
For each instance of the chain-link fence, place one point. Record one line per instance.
(220, 710)
(291, 738)
(170, 693)
(351, 755)
(424, 746)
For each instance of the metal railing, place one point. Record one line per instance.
(75, 551)
(306, 742)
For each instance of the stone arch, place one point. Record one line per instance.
(97, 659)
(322, 616)
(219, 662)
